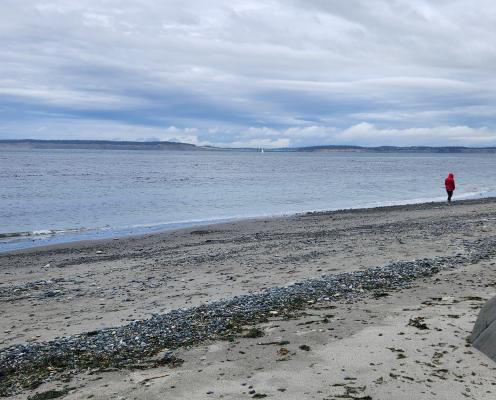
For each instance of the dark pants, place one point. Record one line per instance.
(450, 194)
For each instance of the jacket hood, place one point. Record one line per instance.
(451, 176)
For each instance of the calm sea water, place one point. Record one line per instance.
(50, 196)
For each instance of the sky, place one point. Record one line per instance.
(240, 73)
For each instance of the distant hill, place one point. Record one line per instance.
(177, 146)
(94, 144)
(397, 149)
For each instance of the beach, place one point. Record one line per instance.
(405, 338)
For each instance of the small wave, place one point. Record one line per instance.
(41, 233)
(14, 235)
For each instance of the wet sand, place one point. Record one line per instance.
(68, 289)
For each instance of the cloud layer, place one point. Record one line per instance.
(250, 73)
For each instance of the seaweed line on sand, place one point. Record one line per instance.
(130, 346)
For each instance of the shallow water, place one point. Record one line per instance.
(50, 196)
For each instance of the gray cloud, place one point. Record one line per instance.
(248, 72)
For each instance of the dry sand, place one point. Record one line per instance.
(361, 350)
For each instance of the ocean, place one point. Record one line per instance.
(54, 196)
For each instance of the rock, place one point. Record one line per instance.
(283, 351)
(447, 300)
(50, 394)
(483, 336)
(418, 323)
(254, 333)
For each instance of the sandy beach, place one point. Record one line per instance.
(380, 344)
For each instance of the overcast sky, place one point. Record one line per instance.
(250, 73)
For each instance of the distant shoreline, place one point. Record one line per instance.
(178, 146)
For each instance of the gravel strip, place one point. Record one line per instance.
(132, 345)
(39, 289)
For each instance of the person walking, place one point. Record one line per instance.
(449, 183)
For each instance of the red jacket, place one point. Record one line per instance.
(449, 182)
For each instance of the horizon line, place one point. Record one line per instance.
(157, 142)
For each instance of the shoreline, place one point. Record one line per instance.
(159, 229)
